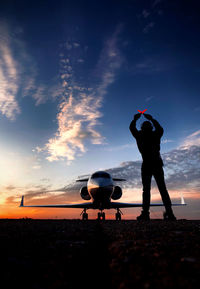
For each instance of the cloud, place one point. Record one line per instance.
(153, 64)
(145, 13)
(36, 167)
(148, 27)
(76, 122)
(166, 141)
(109, 62)
(80, 60)
(182, 170)
(68, 45)
(10, 188)
(192, 139)
(156, 2)
(19, 74)
(148, 98)
(40, 94)
(76, 44)
(149, 16)
(8, 76)
(120, 147)
(79, 112)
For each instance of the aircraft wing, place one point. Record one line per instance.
(116, 205)
(80, 205)
(82, 180)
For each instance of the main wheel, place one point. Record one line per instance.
(85, 216)
(118, 216)
(99, 216)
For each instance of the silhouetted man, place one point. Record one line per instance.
(148, 142)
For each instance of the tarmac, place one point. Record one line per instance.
(52, 254)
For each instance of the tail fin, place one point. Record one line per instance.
(22, 202)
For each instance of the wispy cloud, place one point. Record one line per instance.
(145, 13)
(156, 2)
(149, 98)
(192, 139)
(76, 122)
(166, 140)
(149, 15)
(79, 111)
(18, 73)
(43, 93)
(8, 76)
(153, 64)
(120, 147)
(148, 27)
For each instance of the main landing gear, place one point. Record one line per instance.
(118, 216)
(101, 215)
(84, 215)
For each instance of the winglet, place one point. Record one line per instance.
(22, 202)
(182, 201)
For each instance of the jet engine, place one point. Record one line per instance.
(117, 193)
(84, 193)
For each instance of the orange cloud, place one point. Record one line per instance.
(76, 122)
(79, 110)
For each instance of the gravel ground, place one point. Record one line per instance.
(52, 254)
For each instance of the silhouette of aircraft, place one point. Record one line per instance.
(100, 190)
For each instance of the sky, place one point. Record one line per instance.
(72, 75)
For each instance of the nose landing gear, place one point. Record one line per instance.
(101, 216)
(118, 216)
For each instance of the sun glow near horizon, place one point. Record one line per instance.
(68, 95)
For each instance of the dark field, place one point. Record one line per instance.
(91, 254)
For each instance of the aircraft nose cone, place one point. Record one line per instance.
(98, 183)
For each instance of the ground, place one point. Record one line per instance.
(52, 254)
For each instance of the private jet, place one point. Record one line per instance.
(100, 190)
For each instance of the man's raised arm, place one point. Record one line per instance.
(156, 124)
(132, 126)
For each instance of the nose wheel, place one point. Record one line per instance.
(101, 216)
(118, 215)
(84, 215)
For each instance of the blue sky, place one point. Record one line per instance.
(73, 74)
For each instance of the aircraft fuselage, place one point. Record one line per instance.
(100, 190)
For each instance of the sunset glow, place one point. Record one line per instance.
(70, 84)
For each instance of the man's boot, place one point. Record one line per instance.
(144, 216)
(169, 215)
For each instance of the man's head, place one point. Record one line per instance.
(146, 126)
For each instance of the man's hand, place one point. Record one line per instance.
(137, 116)
(148, 116)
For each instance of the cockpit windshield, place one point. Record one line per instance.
(100, 175)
